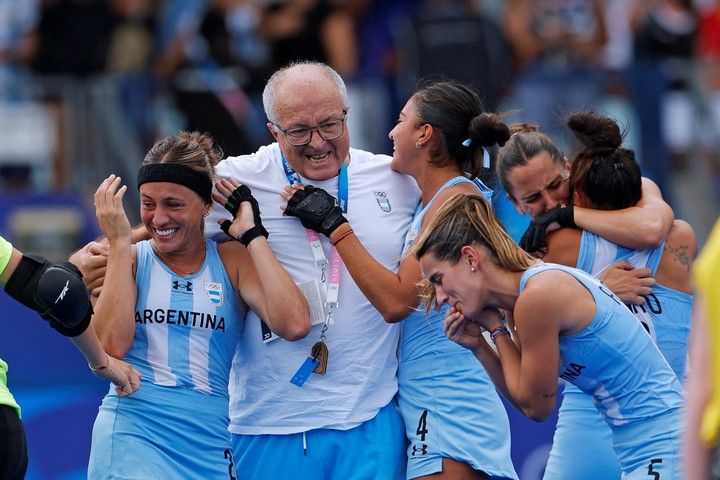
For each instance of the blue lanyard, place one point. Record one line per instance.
(336, 263)
(343, 190)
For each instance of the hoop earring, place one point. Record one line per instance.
(417, 144)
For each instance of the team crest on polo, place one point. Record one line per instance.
(214, 292)
(383, 202)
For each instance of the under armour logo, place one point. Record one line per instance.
(176, 285)
(63, 292)
(422, 450)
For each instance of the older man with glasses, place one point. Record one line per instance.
(320, 407)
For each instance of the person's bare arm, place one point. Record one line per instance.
(469, 334)
(518, 30)
(678, 256)
(113, 319)
(394, 295)
(124, 376)
(257, 275)
(696, 456)
(563, 245)
(532, 377)
(91, 259)
(339, 39)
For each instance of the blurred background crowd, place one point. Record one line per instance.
(86, 86)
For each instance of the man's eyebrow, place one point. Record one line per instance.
(302, 126)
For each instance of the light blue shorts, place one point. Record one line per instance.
(582, 441)
(161, 433)
(451, 410)
(651, 447)
(374, 450)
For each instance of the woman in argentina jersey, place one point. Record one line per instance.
(173, 307)
(605, 176)
(455, 423)
(566, 324)
(537, 175)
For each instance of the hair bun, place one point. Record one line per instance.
(488, 129)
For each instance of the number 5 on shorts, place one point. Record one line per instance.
(651, 471)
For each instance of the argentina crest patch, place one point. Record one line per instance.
(383, 201)
(214, 292)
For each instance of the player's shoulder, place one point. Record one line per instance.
(364, 161)
(250, 164)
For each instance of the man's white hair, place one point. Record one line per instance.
(270, 91)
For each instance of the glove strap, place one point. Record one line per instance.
(253, 232)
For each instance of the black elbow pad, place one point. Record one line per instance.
(54, 290)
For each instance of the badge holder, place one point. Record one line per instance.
(318, 359)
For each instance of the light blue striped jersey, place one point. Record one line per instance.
(666, 312)
(186, 328)
(614, 360)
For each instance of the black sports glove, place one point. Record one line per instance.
(535, 237)
(316, 209)
(239, 195)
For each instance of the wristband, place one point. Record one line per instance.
(101, 367)
(6, 250)
(252, 232)
(340, 237)
(497, 331)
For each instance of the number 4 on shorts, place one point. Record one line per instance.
(422, 426)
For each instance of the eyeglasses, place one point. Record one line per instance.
(329, 130)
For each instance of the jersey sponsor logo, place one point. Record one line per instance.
(383, 201)
(182, 287)
(572, 371)
(419, 450)
(214, 292)
(183, 318)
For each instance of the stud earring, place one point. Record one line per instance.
(417, 144)
(472, 269)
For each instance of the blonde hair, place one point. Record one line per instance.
(467, 220)
(193, 150)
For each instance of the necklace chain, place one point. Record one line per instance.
(174, 266)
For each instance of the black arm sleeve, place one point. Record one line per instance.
(54, 290)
